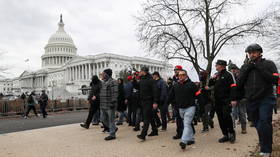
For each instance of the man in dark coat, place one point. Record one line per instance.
(121, 102)
(179, 120)
(257, 77)
(94, 100)
(205, 109)
(185, 92)
(128, 88)
(108, 102)
(149, 101)
(23, 97)
(136, 103)
(43, 101)
(225, 97)
(162, 88)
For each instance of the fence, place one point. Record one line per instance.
(17, 107)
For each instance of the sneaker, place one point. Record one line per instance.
(262, 154)
(143, 138)
(84, 126)
(232, 138)
(25, 117)
(183, 145)
(176, 137)
(153, 133)
(223, 139)
(108, 138)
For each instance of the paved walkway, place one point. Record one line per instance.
(74, 141)
(9, 125)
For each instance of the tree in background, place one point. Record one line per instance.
(193, 31)
(273, 32)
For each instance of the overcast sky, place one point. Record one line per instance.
(95, 26)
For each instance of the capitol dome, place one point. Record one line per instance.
(60, 48)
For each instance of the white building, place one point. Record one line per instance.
(6, 86)
(64, 72)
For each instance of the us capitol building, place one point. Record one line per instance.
(64, 72)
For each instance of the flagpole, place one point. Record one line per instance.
(27, 62)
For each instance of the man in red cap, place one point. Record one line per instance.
(177, 69)
(128, 89)
(179, 121)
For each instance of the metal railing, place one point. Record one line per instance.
(18, 106)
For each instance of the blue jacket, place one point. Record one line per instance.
(163, 90)
(128, 89)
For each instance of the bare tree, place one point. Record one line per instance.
(192, 30)
(273, 31)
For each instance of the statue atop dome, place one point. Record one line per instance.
(61, 24)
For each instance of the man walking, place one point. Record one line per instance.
(179, 121)
(239, 111)
(225, 97)
(43, 101)
(108, 102)
(162, 88)
(149, 99)
(257, 77)
(185, 92)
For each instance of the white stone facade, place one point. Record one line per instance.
(64, 72)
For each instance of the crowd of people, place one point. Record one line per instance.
(245, 94)
(30, 101)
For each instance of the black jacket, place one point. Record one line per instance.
(135, 96)
(43, 100)
(121, 97)
(147, 89)
(95, 91)
(206, 94)
(224, 87)
(257, 79)
(185, 94)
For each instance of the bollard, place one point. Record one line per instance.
(74, 106)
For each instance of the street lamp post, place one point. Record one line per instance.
(52, 85)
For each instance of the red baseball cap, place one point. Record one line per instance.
(129, 78)
(178, 67)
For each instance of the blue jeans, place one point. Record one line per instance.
(187, 115)
(108, 118)
(261, 112)
(122, 116)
